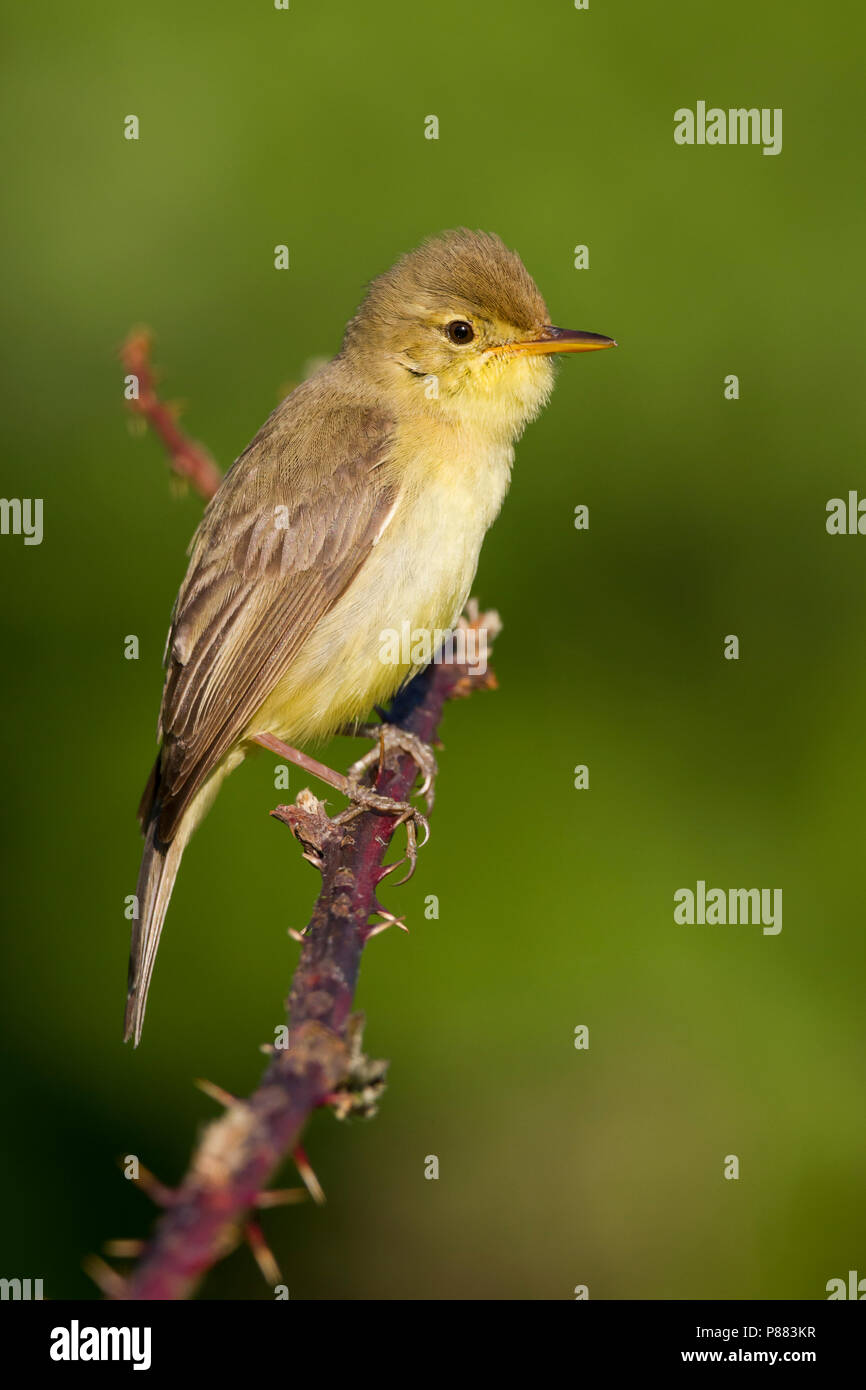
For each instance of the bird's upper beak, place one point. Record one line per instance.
(550, 339)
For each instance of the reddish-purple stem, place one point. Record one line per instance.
(240, 1152)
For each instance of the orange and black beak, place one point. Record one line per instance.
(551, 339)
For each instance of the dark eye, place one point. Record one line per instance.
(459, 331)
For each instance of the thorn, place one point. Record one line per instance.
(311, 1182)
(381, 911)
(296, 935)
(390, 869)
(266, 1048)
(151, 1187)
(123, 1249)
(104, 1277)
(262, 1253)
(216, 1093)
(390, 921)
(281, 1197)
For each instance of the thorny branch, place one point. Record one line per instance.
(209, 1213)
(187, 458)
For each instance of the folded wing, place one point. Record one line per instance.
(290, 527)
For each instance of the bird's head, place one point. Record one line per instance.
(458, 327)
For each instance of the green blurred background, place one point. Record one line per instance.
(558, 1167)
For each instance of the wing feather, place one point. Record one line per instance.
(291, 525)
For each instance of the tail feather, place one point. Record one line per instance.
(149, 795)
(159, 865)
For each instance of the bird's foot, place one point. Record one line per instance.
(391, 738)
(364, 798)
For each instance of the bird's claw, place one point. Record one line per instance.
(391, 738)
(364, 798)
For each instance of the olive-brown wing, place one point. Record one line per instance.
(281, 541)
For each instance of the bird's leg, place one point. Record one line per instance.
(364, 798)
(301, 760)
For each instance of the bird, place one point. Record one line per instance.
(362, 502)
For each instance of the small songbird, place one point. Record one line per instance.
(361, 503)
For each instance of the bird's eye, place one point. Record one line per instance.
(459, 331)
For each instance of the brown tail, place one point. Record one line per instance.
(159, 865)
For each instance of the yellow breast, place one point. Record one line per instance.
(419, 573)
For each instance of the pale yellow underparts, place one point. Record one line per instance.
(453, 461)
